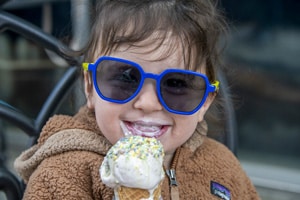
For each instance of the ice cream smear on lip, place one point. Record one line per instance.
(134, 165)
(125, 129)
(141, 129)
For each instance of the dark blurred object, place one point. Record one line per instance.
(17, 4)
(9, 183)
(263, 54)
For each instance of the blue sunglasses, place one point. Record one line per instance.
(179, 91)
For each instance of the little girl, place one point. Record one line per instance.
(150, 70)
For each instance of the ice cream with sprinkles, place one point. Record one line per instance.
(134, 162)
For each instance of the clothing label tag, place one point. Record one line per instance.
(219, 190)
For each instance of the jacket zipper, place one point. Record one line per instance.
(172, 177)
(171, 173)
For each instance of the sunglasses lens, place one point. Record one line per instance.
(182, 91)
(117, 80)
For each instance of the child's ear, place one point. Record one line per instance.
(88, 89)
(210, 98)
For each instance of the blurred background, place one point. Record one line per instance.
(262, 56)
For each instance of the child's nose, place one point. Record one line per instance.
(147, 100)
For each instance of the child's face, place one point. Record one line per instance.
(145, 114)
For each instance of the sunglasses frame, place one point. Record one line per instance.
(92, 67)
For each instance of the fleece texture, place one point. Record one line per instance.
(65, 163)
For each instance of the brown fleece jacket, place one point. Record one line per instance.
(65, 163)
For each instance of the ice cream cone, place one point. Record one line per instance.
(127, 193)
(133, 167)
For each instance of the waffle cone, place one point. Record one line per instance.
(126, 193)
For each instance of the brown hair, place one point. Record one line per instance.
(195, 23)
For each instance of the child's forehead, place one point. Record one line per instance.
(159, 46)
(156, 47)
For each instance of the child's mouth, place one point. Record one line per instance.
(143, 129)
